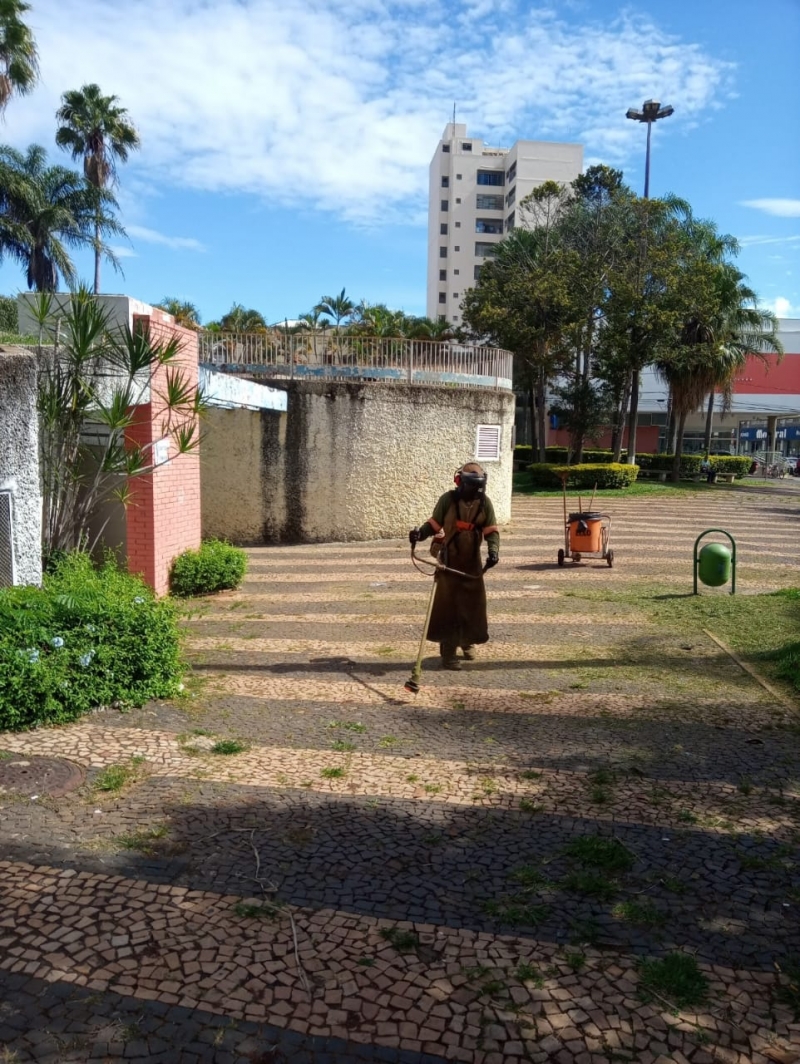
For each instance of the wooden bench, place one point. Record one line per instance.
(727, 477)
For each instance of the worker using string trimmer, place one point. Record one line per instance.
(462, 519)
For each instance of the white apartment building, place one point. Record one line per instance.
(475, 192)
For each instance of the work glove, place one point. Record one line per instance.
(414, 537)
(492, 559)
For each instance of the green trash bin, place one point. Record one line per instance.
(714, 564)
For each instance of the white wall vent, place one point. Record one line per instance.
(487, 443)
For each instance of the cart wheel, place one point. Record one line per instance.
(576, 557)
(561, 557)
(610, 559)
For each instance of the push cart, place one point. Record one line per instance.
(586, 533)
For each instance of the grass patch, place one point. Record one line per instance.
(263, 911)
(608, 854)
(343, 746)
(639, 913)
(515, 913)
(527, 806)
(432, 788)
(590, 883)
(526, 973)
(388, 741)
(229, 746)
(576, 959)
(788, 993)
(412, 778)
(675, 977)
(6, 755)
(402, 941)
(142, 841)
(530, 774)
(349, 725)
(114, 777)
(333, 773)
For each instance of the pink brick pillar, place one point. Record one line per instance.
(163, 518)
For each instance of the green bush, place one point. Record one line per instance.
(216, 566)
(690, 463)
(739, 465)
(8, 315)
(89, 637)
(603, 474)
(523, 452)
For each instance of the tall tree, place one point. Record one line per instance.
(240, 319)
(339, 308)
(95, 128)
(44, 211)
(19, 59)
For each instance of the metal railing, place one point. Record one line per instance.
(326, 356)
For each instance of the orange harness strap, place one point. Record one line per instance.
(465, 526)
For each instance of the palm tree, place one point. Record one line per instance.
(338, 307)
(183, 312)
(44, 210)
(239, 319)
(19, 59)
(95, 128)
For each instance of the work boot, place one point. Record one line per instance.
(469, 652)
(449, 659)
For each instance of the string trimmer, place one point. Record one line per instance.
(412, 684)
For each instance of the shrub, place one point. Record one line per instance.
(216, 566)
(739, 465)
(89, 637)
(8, 315)
(523, 452)
(690, 463)
(603, 474)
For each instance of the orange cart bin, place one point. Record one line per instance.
(585, 533)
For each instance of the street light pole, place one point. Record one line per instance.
(651, 112)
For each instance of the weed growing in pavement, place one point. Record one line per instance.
(675, 977)
(590, 883)
(526, 973)
(527, 806)
(456, 704)
(673, 885)
(263, 911)
(142, 841)
(788, 992)
(366, 962)
(478, 972)
(229, 746)
(601, 783)
(388, 741)
(348, 725)
(687, 817)
(114, 777)
(343, 746)
(5, 755)
(333, 773)
(640, 913)
(432, 788)
(576, 959)
(745, 785)
(530, 876)
(402, 941)
(412, 778)
(530, 774)
(516, 912)
(385, 651)
(584, 932)
(596, 851)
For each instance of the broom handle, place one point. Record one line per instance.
(417, 670)
(591, 504)
(566, 524)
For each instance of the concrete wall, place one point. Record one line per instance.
(19, 460)
(346, 462)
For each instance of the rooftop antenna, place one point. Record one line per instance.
(454, 119)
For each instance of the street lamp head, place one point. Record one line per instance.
(637, 116)
(665, 112)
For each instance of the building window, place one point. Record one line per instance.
(445, 182)
(511, 197)
(488, 225)
(482, 250)
(458, 177)
(442, 317)
(477, 273)
(455, 272)
(458, 225)
(445, 204)
(455, 295)
(491, 177)
(489, 203)
(442, 297)
(458, 201)
(455, 317)
(512, 173)
(487, 443)
(510, 222)
(457, 248)
(445, 147)
(443, 228)
(442, 275)
(442, 253)
(466, 146)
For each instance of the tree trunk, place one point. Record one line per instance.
(534, 432)
(619, 420)
(709, 421)
(633, 415)
(540, 414)
(97, 256)
(676, 461)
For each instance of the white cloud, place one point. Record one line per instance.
(781, 208)
(150, 236)
(783, 308)
(337, 104)
(753, 241)
(123, 252)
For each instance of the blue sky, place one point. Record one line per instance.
(285, 143)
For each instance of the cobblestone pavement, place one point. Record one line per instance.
(476, 873)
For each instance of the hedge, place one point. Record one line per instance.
(216, 566)
(586, 475)
(87, 638)
(739, 465)
(690, 463)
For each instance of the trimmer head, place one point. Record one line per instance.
(412, 686)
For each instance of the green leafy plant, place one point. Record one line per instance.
(229, 746)
(402, 941)
(215, 566)
(88, 637)
(675, 977)
(114, 777)
(143, 841)
(640, 913)
(604, 475)
(333, 773)
(527, 973)
(264, 911)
